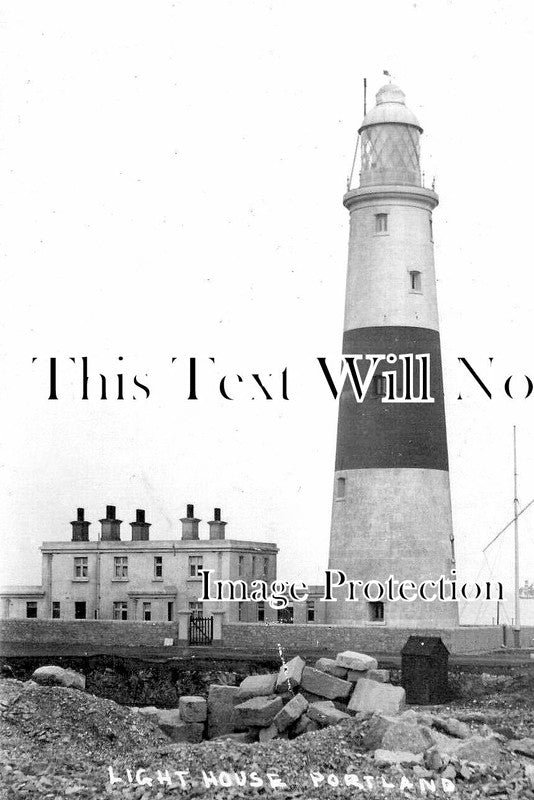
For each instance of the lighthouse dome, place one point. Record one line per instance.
(390, 141)
(390, 107)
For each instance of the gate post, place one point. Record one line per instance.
(183, 625)
(218, 619)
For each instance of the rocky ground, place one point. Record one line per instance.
(61, 742)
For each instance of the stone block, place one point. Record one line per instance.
(409, 737)
(244, 736)
(524, 746)
(381, 698)
(193, 708)
(258, 711)
(479, 750)
(176, 729)
(290, 712)
(325, 713)
(385, 758)
(324, 685)
(257, 686)
(394, 733)
(330, 666)
(356, 661)
(150, 712)
(290, 674)
(354, 675)
(266, 734)
(220, 707)
(52, 675)
(452, 727)
(379, 675)
(193, 732)
(304, 725)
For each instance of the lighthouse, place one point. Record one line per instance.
(391, 510)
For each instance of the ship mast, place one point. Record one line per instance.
(517, 615)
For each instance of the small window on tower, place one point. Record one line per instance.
(381, 223)
(415, 281)
(376, 611)
(340, 488)
(431, 229)
(380, 385)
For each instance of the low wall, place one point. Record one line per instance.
(295, 638)
(105, 633)
(254, 637)
(527, 636)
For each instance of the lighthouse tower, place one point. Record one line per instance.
(391, 512)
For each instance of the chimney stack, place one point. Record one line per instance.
(80, 528)
(190, 524)
(140, 528)
(217, 526)
(111, 526)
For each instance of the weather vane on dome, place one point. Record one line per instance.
(388, 74)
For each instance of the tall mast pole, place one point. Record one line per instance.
(517, 615)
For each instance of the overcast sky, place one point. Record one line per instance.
(172, 178)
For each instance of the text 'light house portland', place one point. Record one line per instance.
(391, 510)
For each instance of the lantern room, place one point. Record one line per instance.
(390, 153)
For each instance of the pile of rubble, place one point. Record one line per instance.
(61, 740)
(296, 700)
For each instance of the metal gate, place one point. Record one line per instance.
(200, 630)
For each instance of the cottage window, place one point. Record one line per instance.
(195, 608)
(241, 565)
(147, 611)
(310, 610)
(261, 611)
(80, 567)
(120, 567)
(170, 611)
(265, 567)
(376, 611)
(158, 567)
(56, 610)
(195, 566)
(120, 610)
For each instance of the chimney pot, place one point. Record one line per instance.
(140, 528)
(80, 528)
(217, 526)
(111, 526)
(190, 523)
